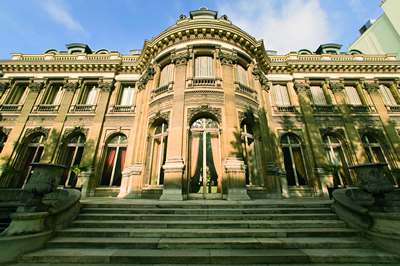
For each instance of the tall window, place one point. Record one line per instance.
(204, 67)
(294, 161)
(114, 161)
(165, 76)
(53, 95)
(387, 95)
(250, 153)
(158, 149)
(335, 155)
(375, 154)
(242, 75)
(19, 95)
(73, 155)
(353, 96)
(127, 95)
(318, 95)
(281, 95)
(32, 154)
(89, 95)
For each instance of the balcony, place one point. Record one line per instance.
(82, 108)
(326, 108)
(245, 90)
(362, 108)
(393, 108)
(203, 82)
(285, 109)
(46, 108)
(122, 109)
(11, 107)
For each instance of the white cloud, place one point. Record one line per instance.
(58, 10)
(283, 25)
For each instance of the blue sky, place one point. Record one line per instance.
(34, 26)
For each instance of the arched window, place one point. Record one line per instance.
(294, 161)
(3, 139)
(165, 76)
(242, 75)
(32, 154)
(204, 67)
(73, 155)
(114, 161)
(335, 155)
(375, 154)
(158, 149)
(250, 154)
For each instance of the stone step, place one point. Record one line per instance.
(207, 211)
(129, 216)
(205, 243)
(206, 256)
(188, 224)
(207, 233)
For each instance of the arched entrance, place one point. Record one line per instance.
(204, 173)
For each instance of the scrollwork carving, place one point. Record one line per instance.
(227, 59)
(326, 130)
(70, 86)
(259, 75)
(204, 109)
(148, 75)
(75, 130)
(301, 87)
(44, 131)
(182, 17)
(3, 87)
(181, 58)
(6, 131)
(35, 86)
(373, 131)
(336, 86)
(164, 115)
(372, 87)
(106, 86)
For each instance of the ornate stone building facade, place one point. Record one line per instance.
(203, 111)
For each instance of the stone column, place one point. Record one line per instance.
(320, 182)
(174, 164)
(55, 134)
(234, 165)
(86, 179)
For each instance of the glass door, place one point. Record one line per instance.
(205, 163)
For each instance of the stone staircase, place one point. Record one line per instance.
(214, 232)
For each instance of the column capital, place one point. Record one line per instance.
(147, 75)
(336, 86)
(106, 86)
(372, 87)
(70, 86)
(35, 86)
(227, 59)
(181, 58)
(301, 87)
(259, 75)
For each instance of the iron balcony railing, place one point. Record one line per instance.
(46, 108)
(83, 108)
(122, 109)
(11, 107)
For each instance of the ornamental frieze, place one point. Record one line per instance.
(70, 86)
(164, 115)
(44, 131)
(259, 75)
(372, 87)
(339, 131)
(301, 87)
(336, 86)
(204, 109)
(35, 86)
(227, 59)
(106, 86)
(181, 59)
(148, 75)
(373, 131)
(75, 131)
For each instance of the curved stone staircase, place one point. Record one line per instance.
(213, 232)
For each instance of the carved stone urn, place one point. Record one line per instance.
(45, 179)
(372, 180)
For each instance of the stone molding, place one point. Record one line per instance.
(301, 87)
(148, 75)
(336, 86)
(227, 59)
(35, 86)
(5, 130)
(259, 75)
(106, 86)
(372, 87)
(204, 109)
(181, 58)
(326, 130)
(70, 86)
(158, 115)
(373, 131)
(30, 131)
(75, 130)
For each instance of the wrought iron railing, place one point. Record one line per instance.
(46, 108)
(122, 109)
(11, 107)
(83, 108)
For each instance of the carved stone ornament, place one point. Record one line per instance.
(373, 131)
(148, 75)
(3, 87)
(106, 86)
(75, 130)
(182, 17)
(204, 109)
(42, 130)
(301, 87)
(70, 86)
(336, 87)
(259, 75)
(224, 17)
(244, 115)
(181, 58)
(227, 59)
(35, 86)
(5, 130)
(326, 130)
(164, 115)
(372, 87)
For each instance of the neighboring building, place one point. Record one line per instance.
(381, 36)
(202, 111)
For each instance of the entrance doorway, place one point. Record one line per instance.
(205, 163)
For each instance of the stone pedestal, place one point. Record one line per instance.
(24, 223)
(235, 172)
(173, 176)
(83, 181)
(131, 182)
(326, 180)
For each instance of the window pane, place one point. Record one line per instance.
(318, 95)
(289, 167)
(353, 96)
(204, 67)
(127, 96)
(242, 77)
(108, 166)
(165, 76)
(281, 95)
(387, 95)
